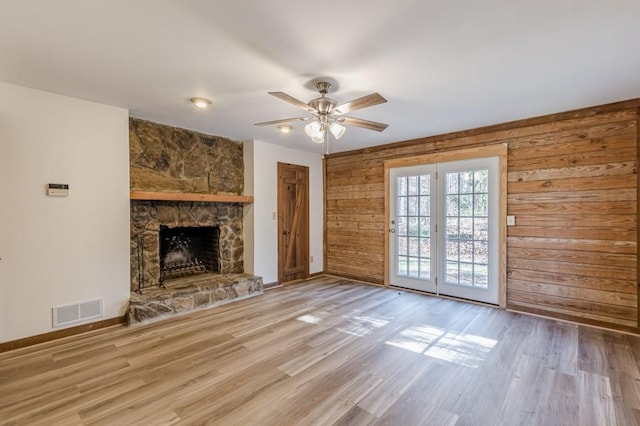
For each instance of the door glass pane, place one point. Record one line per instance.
(481, 205)
(452, 228)
(466, 251)
(480, 252)
(414, 246)
(401, 206)
(453, 250)
(402, 264)
(452, 272)
(425, 206)
(466, 205)
(401, 229)
(452, 183)
(425, 227)
(480, 274)
(481, 181)
(466, 182)
(425, 268)
(452, 205)
(466, 274)
(481, 229)
(425, 248)
(402, 185)
(414, 230)
(414, 270)
(413, 206)
(413, 185)
(425, 185)
(402, 246)
(413, 227)
(467, 228)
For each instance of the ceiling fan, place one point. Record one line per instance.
(328, 115)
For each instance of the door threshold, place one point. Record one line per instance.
(444, 296)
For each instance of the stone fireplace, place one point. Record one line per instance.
(185, 254)
(183, 223)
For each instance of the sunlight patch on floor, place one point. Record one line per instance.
(362, 325)
(460, 348)
(310, 319)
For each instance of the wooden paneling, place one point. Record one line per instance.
(572, 184)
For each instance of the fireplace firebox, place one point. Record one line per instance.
(188, 251)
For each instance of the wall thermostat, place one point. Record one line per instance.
(57, 189)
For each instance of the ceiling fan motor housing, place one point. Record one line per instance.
(323, 105)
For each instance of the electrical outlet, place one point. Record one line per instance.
(511, 220)
(274, 215)
(311, 259)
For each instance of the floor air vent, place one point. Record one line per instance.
(76, 312)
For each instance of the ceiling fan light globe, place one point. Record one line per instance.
(319, 138)
(337, 130)
(313, 129)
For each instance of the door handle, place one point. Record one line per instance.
(392, 230)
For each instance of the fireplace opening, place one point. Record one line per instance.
(188, 251)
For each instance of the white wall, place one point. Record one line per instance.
(58, 251)
(262, 257)
(248, 210)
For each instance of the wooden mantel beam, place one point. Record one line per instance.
(189, 196)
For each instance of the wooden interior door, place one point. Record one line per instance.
(293, 222)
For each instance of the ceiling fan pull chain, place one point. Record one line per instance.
(326, 139)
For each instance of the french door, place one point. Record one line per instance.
(444, 228)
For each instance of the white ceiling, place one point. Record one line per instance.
(442, 65)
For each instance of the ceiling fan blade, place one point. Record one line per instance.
(358, 122)
(292, 100)
(363, 102)
(284, 120)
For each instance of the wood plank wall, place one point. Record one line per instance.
(573, 186)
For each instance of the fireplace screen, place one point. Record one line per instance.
(188, 251)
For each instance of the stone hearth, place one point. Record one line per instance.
(192, 293)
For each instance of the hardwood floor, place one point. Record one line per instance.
(330, 351)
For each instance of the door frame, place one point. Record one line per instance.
(498, 150)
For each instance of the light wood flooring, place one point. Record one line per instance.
(330, 351)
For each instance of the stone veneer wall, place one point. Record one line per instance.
(170, 159)
(165, 158)
(147, 216)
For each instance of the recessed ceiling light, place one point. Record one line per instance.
(285, 128)
(201, 102)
